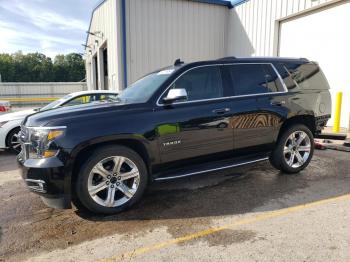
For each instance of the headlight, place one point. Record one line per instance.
(3, 123)
(40, 139)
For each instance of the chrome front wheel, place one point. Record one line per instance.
(113, 181)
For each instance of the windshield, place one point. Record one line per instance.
(56, 103)
(143, 89)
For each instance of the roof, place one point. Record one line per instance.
(232, 60)
(263, 59)
(226, 3)
(215, 2)
(238, 2)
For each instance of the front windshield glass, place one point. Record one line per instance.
(143, 89)
(56, 103)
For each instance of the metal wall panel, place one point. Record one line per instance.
(105, 18)
(160, 31)
(253, 25)
(20, 89)
(29, 94)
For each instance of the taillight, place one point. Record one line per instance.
(5, 108)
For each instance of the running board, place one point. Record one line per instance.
(207, 169)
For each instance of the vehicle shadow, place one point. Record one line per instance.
(238, 191)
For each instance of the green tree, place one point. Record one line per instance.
(60, 70)
(69, 67)
(36, 67)
(7, 68)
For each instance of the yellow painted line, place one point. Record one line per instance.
(209, 231)
(30, 99)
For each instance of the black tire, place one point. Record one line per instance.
(100, 154)
(277, 158)
(10, 138)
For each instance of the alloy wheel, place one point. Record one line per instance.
(297, 149)
(113, 181)
(15, 143)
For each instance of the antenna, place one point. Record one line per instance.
(178, 62)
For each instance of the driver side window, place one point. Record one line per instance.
(201, 83)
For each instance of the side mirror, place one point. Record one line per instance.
(175, 95)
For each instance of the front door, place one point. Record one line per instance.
(200, 125)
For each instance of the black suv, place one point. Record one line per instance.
(179, 121)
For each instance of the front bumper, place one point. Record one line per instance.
(48, 178)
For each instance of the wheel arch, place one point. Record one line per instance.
(8, 134)
(307, 120)
(80, 153)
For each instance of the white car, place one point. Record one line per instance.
(10, 123)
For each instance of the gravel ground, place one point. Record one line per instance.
(248, 214)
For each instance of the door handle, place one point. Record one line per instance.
(221, 111)
(278, 103)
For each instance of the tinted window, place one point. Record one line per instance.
(144, 88)
(286, 77)
(251, 79)
(307, 76)
(201, 83)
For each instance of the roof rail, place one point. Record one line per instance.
(228, 58)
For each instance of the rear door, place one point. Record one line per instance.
(200, 125)
(258, 106)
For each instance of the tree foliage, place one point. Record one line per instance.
(36, 67)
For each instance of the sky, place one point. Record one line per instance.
(47, 26)
(50, 27)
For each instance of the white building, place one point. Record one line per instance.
(134, 37)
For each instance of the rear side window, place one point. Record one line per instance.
(201, 83)
(307, 76)
(252, 79)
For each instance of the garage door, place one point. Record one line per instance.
(323, 36)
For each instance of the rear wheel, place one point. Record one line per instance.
(294, 149)
(12, 140)
(111, 180)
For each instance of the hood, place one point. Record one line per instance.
(66, 115)
(16, 115)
